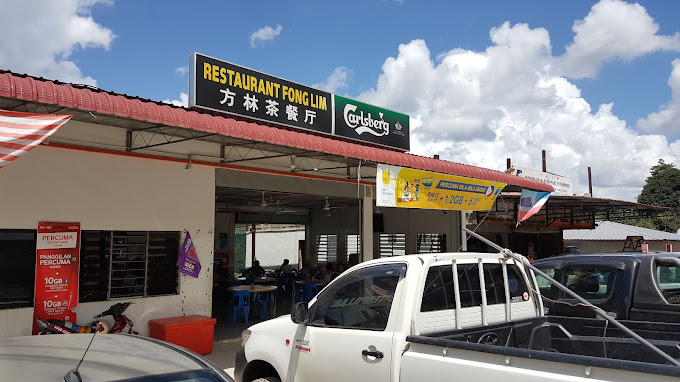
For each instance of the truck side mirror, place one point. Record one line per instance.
(299, 313)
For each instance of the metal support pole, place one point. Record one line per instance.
(590, 183)
(252, 255)
(128, 140)
(544, 164)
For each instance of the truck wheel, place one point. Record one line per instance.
(267, 379)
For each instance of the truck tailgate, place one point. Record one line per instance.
(435, 359)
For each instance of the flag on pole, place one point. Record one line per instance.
(20, 132)
(530, 202)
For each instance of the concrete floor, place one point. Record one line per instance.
(226, 330)
(224, 354)
(227, 337)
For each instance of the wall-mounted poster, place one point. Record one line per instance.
(188, 259)
(57, 268)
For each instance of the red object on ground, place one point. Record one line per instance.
(192, 332)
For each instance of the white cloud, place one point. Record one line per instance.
(509, 101)
(182, 70)
(41, 43)
(264, 34)
(337, 80)
(613, 30)
(183, 100)
(667, 120)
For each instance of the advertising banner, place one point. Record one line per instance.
(561, 184)
(404, 187)
(188, 259)
(357, 120)
(530, 202)
(57, 268)
(222, 86)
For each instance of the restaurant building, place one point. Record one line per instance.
(138, 176)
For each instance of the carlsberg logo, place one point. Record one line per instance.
(365, 124)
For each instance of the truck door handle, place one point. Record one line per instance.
(376, 354)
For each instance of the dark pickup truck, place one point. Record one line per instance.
(627, 285)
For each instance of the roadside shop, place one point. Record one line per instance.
(139, 177)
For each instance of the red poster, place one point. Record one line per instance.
(56, 272)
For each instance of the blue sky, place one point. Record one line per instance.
(481, 80)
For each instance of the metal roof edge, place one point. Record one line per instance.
(89, 99)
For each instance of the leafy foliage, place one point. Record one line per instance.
(662, 188)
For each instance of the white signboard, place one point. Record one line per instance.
(55, 240)
(561, 184)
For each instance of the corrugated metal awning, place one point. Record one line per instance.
(87, 99)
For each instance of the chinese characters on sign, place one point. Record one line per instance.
(56, 272)
(188, 259)
(222, 86)
(404, 187)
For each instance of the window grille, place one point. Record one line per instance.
(431, 242)
(392, 244)
(326, 249)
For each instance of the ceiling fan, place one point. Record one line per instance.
(281, 210)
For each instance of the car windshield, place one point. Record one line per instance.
(182, 376)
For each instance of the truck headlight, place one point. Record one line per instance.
(244, 337)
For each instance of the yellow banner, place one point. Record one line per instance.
(404, 187)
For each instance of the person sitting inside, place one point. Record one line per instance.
(255, 271)
(285, 268)
(306, 272)
(286, 278)
(339, 268)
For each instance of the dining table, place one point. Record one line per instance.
(318, 283)
(258, 280)
(254, 290)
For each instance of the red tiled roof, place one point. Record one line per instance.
(81, 98)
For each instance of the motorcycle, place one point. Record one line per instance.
(121, 323)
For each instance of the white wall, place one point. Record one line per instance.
(113, 192)
(271, 247)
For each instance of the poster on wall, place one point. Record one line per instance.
(188, 259)
(222, 249)
(57, 268)
(404, 187)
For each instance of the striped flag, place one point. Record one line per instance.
(530, 202)
(20, 132)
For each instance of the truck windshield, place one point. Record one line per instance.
(361, 299)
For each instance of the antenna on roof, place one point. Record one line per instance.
(74, 375)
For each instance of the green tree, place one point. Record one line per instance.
(662, 188)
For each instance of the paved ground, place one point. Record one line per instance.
(224, 354)
(228, 336)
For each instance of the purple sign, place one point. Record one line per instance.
(188, 259)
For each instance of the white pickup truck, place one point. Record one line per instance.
(446, 317)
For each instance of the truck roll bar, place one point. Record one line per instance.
(523, 260)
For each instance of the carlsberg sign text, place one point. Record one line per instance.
(365, 124)
(360, 121)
